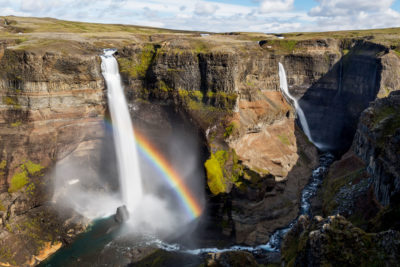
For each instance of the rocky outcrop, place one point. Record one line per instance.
(334, 102)
(335, 241)
(377, 142)
(258, 159)
(50, 103)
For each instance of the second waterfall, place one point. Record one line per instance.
(124, 139)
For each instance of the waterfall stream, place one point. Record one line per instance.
(131, 183)
(127, 156)
(299, 110)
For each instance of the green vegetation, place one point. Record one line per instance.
(388, 120)
(3, 164)
(231, 129)
(222, 99)
(21, 178)
(18, 181)
(6, 255)
(188, 95)
(222, 169)
(164, 88)
(2, 207)
(11, 101)
(16, 124)
(332, 185)
(283, 45)
(137, 67)
(284, 139)
(215, 177)
(33, 168)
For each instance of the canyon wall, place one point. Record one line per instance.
(258, 158)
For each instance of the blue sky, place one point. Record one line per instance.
(219, 15)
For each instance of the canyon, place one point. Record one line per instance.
(226, 87)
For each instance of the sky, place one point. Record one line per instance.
(269, 16)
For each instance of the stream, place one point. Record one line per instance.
(108, 244)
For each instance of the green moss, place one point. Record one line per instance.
(223, 168)
(232, 127)
(222, 99)
(201, 48)
(283, 46)
(390, 116)
(164, 88)
(137, 68)
(198, 95)
(345, 51)
(6, 255)
(2, 207)
(215, 177)
(332, 185)
(10, 101)
(187, 95)
(284, 139)
(3, 164)
(18, 181)
(21, 178)
(16, 124)
(9, 228)
(33, 168)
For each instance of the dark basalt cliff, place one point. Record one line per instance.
(258, 160)
(363, 186)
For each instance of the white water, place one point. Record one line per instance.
(299, 110)
(127, 156)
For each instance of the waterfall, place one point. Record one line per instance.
(299, 110)
(124, 140)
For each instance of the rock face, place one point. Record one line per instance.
(334, 102)
(50, 104)
(335, 241)
(363, 187)
(377, 142)
(122, 214)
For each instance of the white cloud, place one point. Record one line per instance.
(38, 5)
(329, 8)
(268, 6)
(208, 15)
(205, 8)
(354, 14)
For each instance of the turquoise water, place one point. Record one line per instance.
(86, 249)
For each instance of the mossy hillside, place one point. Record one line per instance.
(223, 170)
(137, 66)
(388, 119)
(341, 244)
(332, 185)
(282, 46)
(221, 99)
(22, 177)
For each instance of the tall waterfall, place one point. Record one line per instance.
(299, 110)
(128, 161)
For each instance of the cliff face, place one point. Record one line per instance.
(334, 102)
(363, 186)
(335, 241)
(50, 104)
(377, 142)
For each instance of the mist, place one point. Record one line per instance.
(87, 179)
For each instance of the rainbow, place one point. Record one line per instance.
(171, 177)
